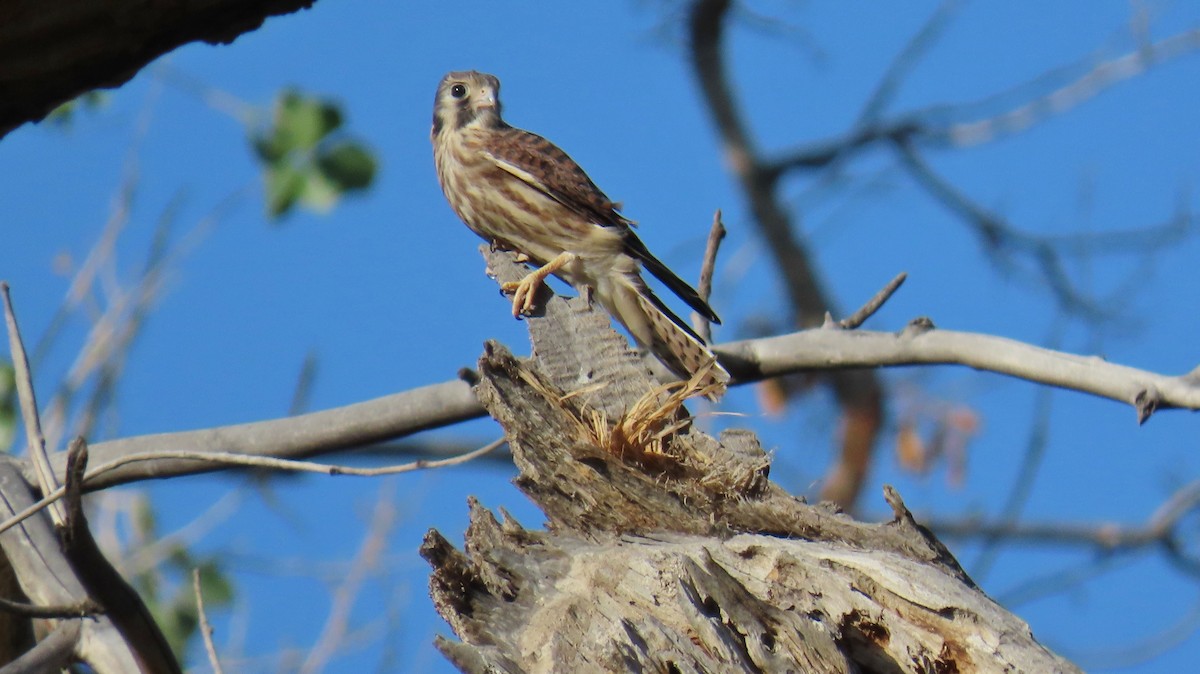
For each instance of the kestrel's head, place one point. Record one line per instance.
(467, 98)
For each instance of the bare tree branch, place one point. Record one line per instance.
(386, 418)
(333, 633)
(934, 125)
(1161, 531)
(868, 310)
(889, 84)
(451, 402)
(104, 584)
(998, 235)
(1095, 80)
(920, 344)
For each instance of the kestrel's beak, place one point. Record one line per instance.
(484, 99)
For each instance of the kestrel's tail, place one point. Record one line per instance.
(657, 328)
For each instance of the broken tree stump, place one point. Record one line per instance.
(668, 550)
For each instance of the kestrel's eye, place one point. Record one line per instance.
(458, 91)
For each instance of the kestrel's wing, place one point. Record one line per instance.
(543, 166)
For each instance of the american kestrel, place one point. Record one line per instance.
(520, 192)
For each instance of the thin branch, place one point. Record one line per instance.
(368, 558)
(928, 126)
(149, 555)
(361, 424)
(102, 253)
(904, 62)
(232, 459)
(206, 630)
(1100, 77)
(304, 384)
(867, 310)
(101, 581)
(716, 234)
(1160, 531)
(997, 234)
(46, 480)
(1022, 485)
(82, 609)
(1145, 650)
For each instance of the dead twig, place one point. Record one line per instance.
(206, 630)
(83, 609)
(867, 310)
(716, 234)
(46, 479)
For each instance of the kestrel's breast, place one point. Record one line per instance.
(501, 207)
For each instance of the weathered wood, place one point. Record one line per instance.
(47, 578)
(682, 556)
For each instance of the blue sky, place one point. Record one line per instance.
(390, 294)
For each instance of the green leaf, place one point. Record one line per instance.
(348, 165)
(285, 185)
(269, 148)
(305, 160)
(301, 122)
(318, 192)
(180, 557)
(178, 621)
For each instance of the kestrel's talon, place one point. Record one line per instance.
(522, 257)
(525, 291)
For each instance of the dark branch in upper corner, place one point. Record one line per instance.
(52, 52)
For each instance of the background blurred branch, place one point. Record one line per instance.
(858, 392)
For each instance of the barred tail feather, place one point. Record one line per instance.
(657, 328)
